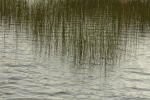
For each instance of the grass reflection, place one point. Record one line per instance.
(88, 31)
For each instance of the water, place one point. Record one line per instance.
(74, 50)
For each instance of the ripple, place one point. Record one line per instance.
(19, 65)
(26, 99)
(140, 89)
(14, 78)
(62, 93)
(134, 98)
(142, 73)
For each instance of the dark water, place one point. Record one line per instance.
(74, 49)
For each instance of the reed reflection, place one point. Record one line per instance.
(124, 1)
(86, 31)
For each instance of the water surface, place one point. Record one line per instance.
(74, 50)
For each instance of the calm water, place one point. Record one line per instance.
(74, 49)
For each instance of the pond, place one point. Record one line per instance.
(74, 49)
